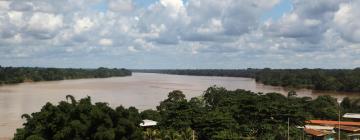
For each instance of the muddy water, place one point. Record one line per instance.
(142, 90)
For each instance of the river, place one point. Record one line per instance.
(142, 90)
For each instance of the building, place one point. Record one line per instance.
(352, 116)
(148, 123)
(351, 130)
(319, 132)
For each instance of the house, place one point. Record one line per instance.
(350, 129)
(319, 132)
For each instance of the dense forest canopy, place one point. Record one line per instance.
(81, 120)
(318, 79)
(12, 75)
(219, 114)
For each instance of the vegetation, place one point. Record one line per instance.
(240, 114)
(12, 75)
(318, 79)
(340, 80)
(81, 120)
(219, 114)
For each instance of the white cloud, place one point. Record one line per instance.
(44, 25)
(312, 22)
(132, 49)
(214, 26)
(83, 24)
(347, 21)
(141, 43)
(45, 21)
(226, 32)
(105, 42)
(174, 6)
(16, 18)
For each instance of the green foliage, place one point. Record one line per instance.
(224, 115)
(175, 111)
(213, 122)
(226, 135)
(81, 120)
(12, 75)
(351, 105)
(150, 115)
(34, 137)
(324, 107)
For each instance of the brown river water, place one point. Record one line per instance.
(142, 90)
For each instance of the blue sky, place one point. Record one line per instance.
(284, 6)
(180, 34)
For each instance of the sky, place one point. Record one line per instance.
(180, 34)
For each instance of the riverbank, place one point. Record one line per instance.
(16, 75)
(343, 80)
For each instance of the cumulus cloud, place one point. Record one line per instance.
(308, 21)
(347, 21)
(83, 24)
(174, 7)
(105, 42)
(44, 25)
(132, 49)
(229, 33)
(293, 26)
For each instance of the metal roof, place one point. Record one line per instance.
(352, 115)
(319, 127)
(325, 122)
(148, 123)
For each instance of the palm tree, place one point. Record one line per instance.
(151, 134)
(72, 98)
(26, 116)
(170, 134)
(187, 134)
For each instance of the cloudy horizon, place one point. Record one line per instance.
(178, 34)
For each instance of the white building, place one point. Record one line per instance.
(148, 123)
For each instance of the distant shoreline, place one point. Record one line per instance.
(16, 75)
(340, 80)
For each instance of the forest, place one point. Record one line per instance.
(13, 75)
(219, 114)
(319, 79)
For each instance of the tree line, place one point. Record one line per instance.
(218, 114)
(319, 79)
(13, 75)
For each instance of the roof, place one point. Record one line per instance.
(148, 123)
(349, 128)
(317, 133)
(352, 115)
(325, 122)
(319, 127)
